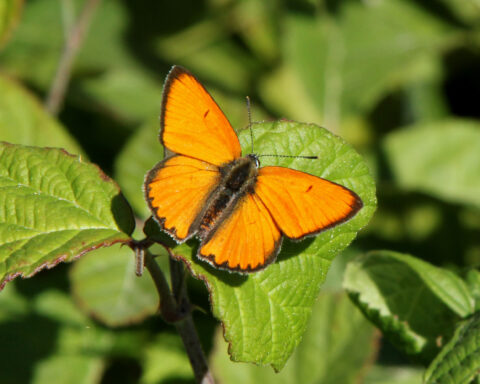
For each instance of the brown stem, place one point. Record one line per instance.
(186, 327)
(168, 307)
(176, 308)
(190, 339)
(60, 82)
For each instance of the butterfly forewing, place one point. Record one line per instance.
(193, 124)
(302, 204)
(177, 189)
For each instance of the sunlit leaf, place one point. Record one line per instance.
(54, 207)
(336, 348)
(413, 302)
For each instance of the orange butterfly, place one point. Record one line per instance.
(238, 210)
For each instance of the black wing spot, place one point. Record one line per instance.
(309, 188)
(206, 113)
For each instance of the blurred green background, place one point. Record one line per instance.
(398, 79)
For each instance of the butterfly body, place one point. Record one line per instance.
(238, 210)
(237, 178)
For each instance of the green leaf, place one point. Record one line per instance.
(264, 314)
(32, 338)
(105, 286)
(380, 374)
(140, 154)
(74, 369)
(54, 207)
(458, 361)
(23, 120)
(9, 15)
(473, 280)
(322, 357)
(414, 303)
(441, 159)
(465, 10)
(165, 361)
(328, 59)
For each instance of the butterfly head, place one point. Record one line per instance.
(255, 159)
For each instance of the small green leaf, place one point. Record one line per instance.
(381, 374)
(337, 347)
(105, 286)
(9, 16)
(69, 369)
(264, 314)
(412, 302)
(54, 207)
(473, 280)
(441, 159)
(24, 121)
(165, 361)
(458, 361)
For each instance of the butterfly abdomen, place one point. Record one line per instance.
(237, 178)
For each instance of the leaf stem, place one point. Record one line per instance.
(75, 38)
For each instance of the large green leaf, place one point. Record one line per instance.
(264, 314)
(336, 348)
(9, 15)
(105, 285)
(24, 121)
(414, 303)
(441, 159)
(459, 360)
(54, 207)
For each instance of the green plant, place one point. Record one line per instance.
(393, 78)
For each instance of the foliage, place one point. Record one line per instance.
(396, 79)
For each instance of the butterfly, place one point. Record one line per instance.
(238, 210)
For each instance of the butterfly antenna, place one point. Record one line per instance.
(250, 121)
(291, 156)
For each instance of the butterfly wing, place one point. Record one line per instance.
(302, 204)
(176, 190)
(246, 240)
(192, 123)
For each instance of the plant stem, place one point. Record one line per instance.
(60, 82)
(168, 307)
(175, 308)
(186, 327)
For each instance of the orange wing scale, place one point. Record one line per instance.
(177, 189)
(248, 239)
(302, 204)
(193, 124)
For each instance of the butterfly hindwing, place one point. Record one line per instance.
(192, 122)
(245, 240)
(177, 190)
(302, 204)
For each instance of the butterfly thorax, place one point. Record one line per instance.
(236, 178)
